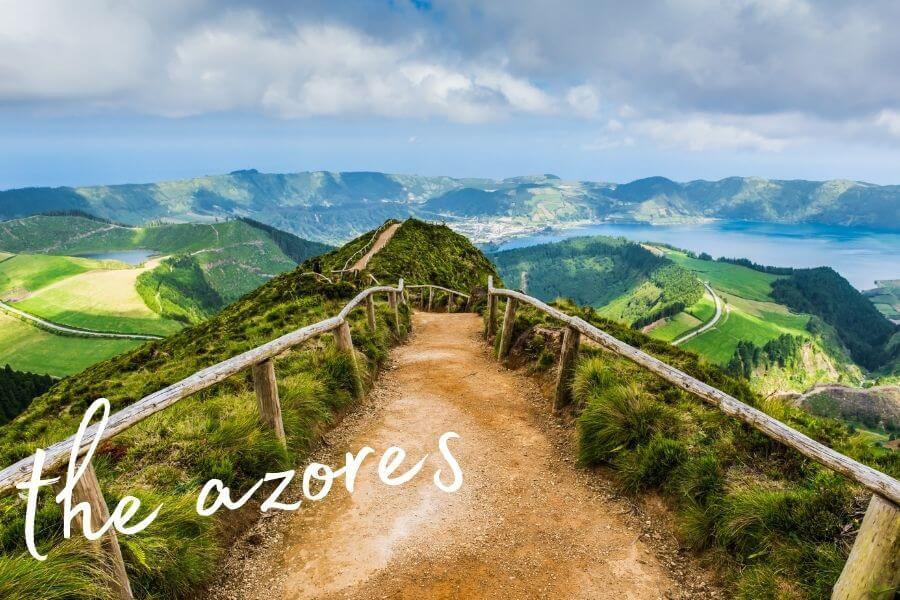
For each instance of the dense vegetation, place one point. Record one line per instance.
(413, 254)
(215, 433)
(296, 248)
(822, 292)
(639, 286)
(775, 523)
(782, 351)
(17, 389)
(177, 289)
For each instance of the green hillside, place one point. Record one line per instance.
(629, 282)
(770, 521)
(216, 433)
(24, 273)
(27, 348)
(210, 265)
(886, 298)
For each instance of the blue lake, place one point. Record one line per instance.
(131, 257)
(861, 255)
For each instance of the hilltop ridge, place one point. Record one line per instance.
(335, 206)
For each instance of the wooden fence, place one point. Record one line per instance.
(873, 566)
(259, 360)
(451, 294)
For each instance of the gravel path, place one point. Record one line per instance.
(525, 524)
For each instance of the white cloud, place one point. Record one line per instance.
(698, 134)
(890, 120)
(584, 100)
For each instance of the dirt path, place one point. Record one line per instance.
(383, 238)
(525, 524)
(709, 324)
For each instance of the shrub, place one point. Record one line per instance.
(617, 418)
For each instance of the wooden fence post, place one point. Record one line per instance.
(395, 305)
(509, 319)
(492, 316)
(370, 312)
(430, 297)
(87, 489)
(345, 344)
(873, 568)
(567, 355)
(266, 388)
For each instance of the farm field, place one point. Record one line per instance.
(675, 327)
(102, 300)
(726, 277)
(24, 273)
(748, 320)
(27, 348)
(694, 316)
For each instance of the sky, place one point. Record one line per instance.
(113, 91)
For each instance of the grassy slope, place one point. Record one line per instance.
(453, 263)
(100, 300)
(886, 298)
(733, 279)
(233, 257)
(27, 348)
(770, 520)
(214, 433)
(25, 273)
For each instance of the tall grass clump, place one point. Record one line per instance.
(73, 571)
(775, 524)
(615, 419)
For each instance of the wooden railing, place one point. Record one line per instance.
(451, 294)
(259, 360)
(874, 561)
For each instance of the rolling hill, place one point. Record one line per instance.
(217, 433)
(203, 268)
(768, 518)
(777, 344)
(335, 206)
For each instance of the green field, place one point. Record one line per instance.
(692, 318)
(27, 348)
(886, 298)
(675, 327)
(24, 273)
(99, 300)
(726, 277)
(754, 321)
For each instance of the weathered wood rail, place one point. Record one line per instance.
(451, 294)
(873, 567)
(259, 360)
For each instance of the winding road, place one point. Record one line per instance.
(55, 327)
(709, 324)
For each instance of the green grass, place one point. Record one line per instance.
(733, 279)
(99, 300)
(675, 327)
(216, 432)
(772, 522)
(25, 273)
(27, 348)
(758, 322)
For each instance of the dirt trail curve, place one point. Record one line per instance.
(383, 238)
(525, 524)
(709, 324)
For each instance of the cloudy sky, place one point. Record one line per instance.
(110, 91)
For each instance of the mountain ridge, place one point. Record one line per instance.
(335, 206)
